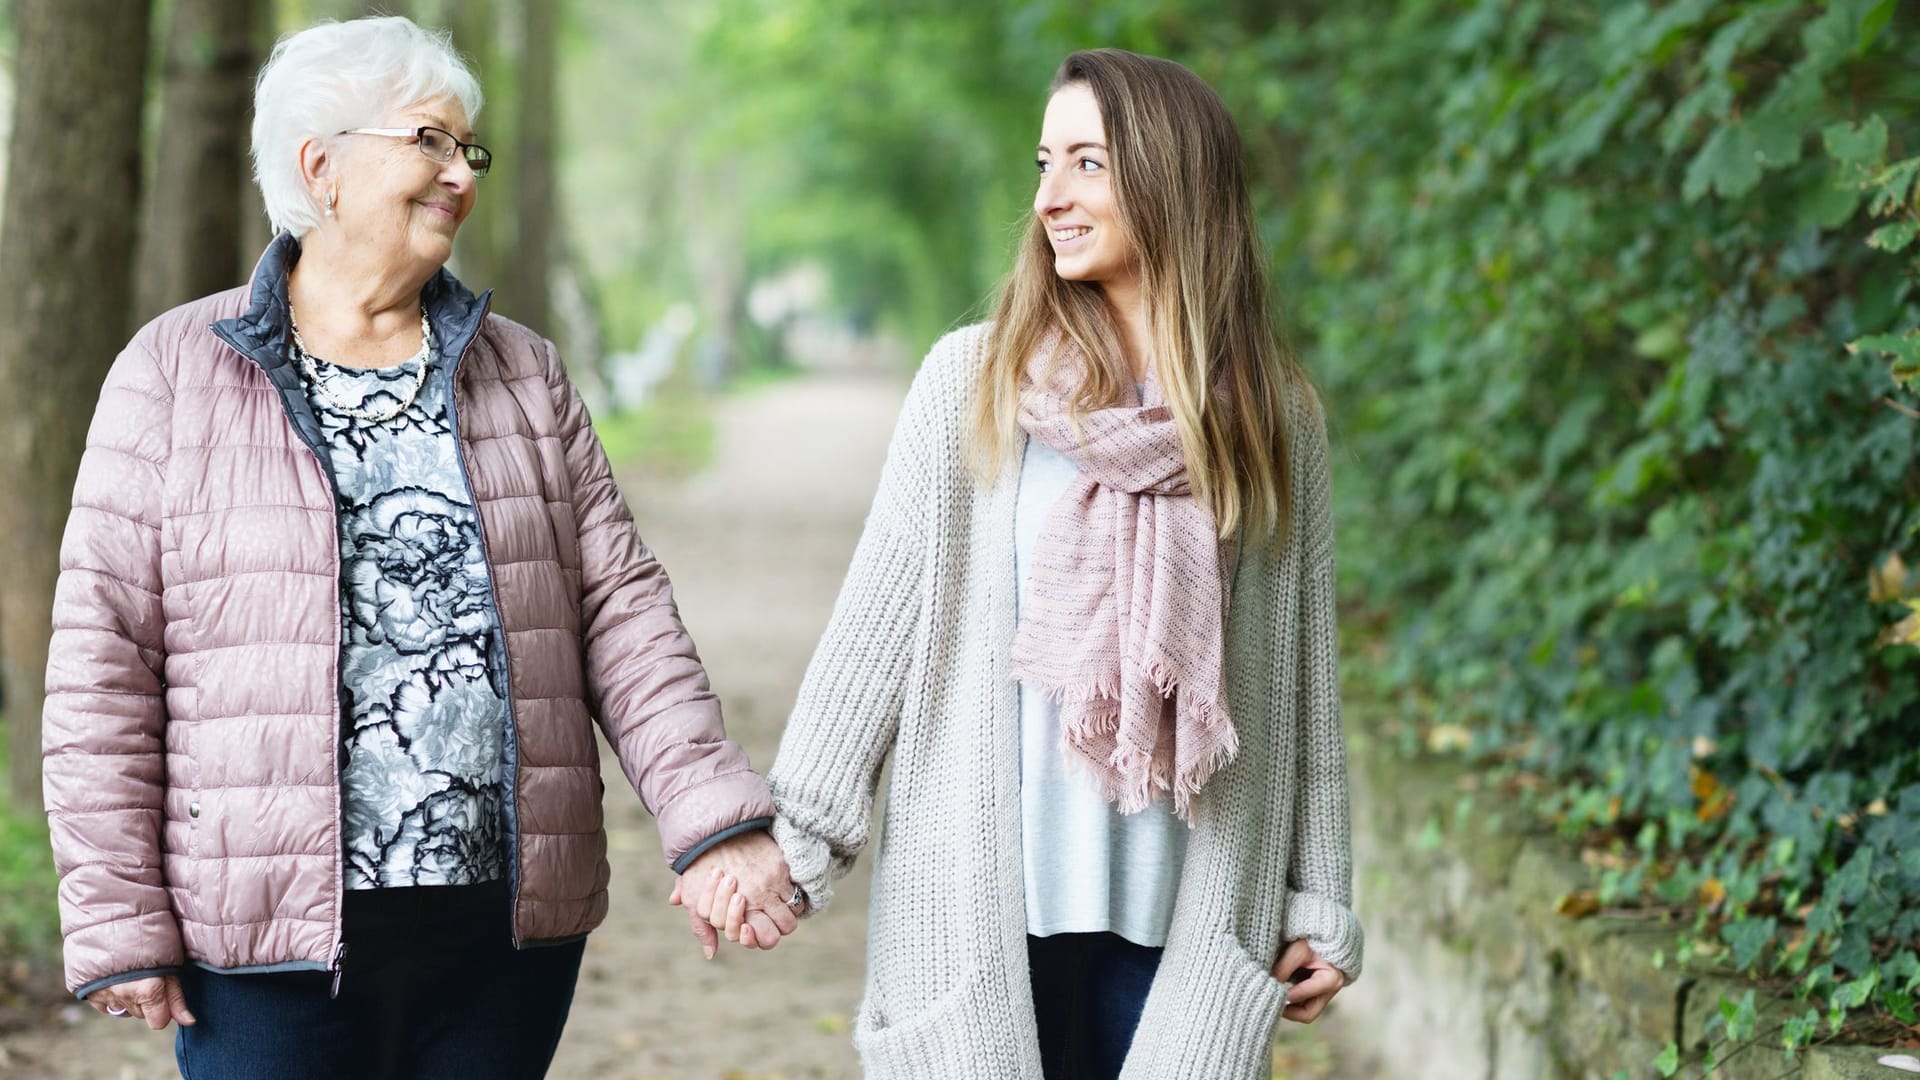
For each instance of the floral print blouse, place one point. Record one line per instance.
(423, 746)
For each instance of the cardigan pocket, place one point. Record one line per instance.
(926, 1042)
(1254, 979)
(1243, 1006)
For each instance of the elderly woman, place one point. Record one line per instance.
(346, 583)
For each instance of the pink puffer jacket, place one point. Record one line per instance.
(194, 715)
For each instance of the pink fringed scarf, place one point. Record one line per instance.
(1125, 625)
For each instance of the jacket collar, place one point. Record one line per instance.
(262, 329)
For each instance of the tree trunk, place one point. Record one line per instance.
(255, 231)
(66, 284)
(476, 255)
(192, 230)
(531, 272)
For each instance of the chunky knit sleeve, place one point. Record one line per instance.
(1321, 873)
(848, 710)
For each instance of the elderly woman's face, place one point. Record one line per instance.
(391, 193)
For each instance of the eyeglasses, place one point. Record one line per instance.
(437, 144)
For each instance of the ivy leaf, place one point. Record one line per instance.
(1903, 348)
(1838, 32)
(1749, 938)
(1798, 1031)
(1852, 995)
(1860, 146)
(1729, 164)
(1894, 237)
(1852, 880)
(1742, 1016)
(1892, 186)
(1875, 21)
(1669, 1060)
(1591, 119)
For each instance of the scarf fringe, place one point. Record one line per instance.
(1129, 775)
(1094, 691)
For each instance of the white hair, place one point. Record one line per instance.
(340, 75)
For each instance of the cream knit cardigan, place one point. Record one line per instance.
(914, 662)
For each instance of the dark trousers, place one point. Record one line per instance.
(1088, 992)
(431, 986)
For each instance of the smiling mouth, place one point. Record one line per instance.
(1061, 236)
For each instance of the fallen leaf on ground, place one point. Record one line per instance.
(830, 1024)
(1577, 905)
(1715, 798)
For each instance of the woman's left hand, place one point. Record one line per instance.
(1313, 981)
(739, 888)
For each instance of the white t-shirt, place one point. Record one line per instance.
(1088, 867)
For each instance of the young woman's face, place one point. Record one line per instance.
(1076, 200)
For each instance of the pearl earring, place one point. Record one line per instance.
(329, 204)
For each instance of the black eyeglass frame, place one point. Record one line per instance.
(419, 136)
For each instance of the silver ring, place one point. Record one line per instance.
(798, 900)
(116, 1012)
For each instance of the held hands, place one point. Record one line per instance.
(1313, 981)
(158, 1001)
(739, 887)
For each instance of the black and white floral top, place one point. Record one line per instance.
(423, 749)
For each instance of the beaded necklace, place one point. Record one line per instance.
(340, 405)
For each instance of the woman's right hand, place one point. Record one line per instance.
(1312, 982)
(157, 1000)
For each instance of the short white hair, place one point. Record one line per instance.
(339, 75)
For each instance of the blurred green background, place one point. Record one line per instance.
(1612, 303)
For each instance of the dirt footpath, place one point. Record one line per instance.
(756, 545)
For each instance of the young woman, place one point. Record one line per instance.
(1092, 620)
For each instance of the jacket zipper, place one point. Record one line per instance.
(339, 955)
(510, 771)
(327, 477)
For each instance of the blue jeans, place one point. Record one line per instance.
(1088, 992)
(431, 986)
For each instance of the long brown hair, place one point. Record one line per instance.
(1181, 195)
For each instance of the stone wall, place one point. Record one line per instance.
(1471, 973)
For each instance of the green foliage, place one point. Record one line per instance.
(29, 916)
(29, 920)
(1615, 304)
(891, 141)
(670, 435)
